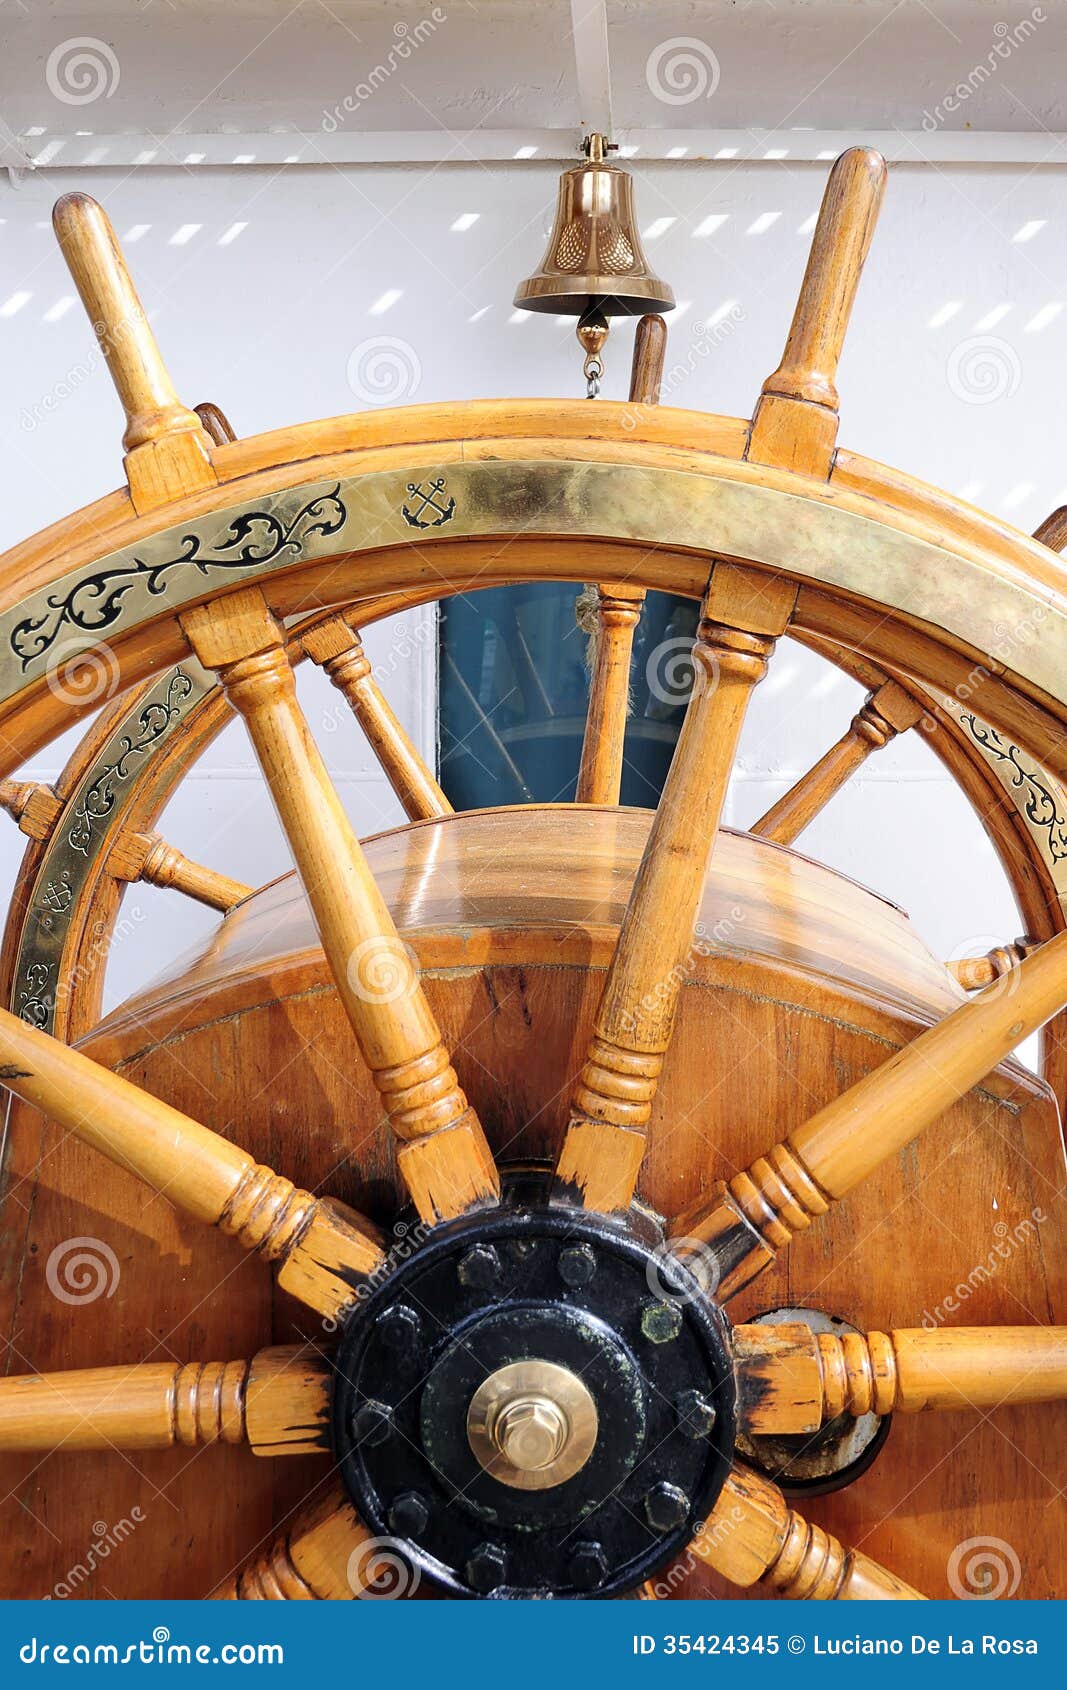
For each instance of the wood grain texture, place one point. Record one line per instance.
(752, 1535)
(444, 1155)
(618, 613)
(795, 421)
(335, 645)
(602, 1151)
(145, 856)
(167, 449)
(886, 713)
(325, 1554)
(514, 928)
(210, 1178)
(757, 1211)
(271, 1403)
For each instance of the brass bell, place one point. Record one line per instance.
(594, 267)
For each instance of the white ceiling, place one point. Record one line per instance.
(250, 66)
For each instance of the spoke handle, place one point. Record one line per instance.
(99, 272)
(753, 1536)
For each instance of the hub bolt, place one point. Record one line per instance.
(577, 1265)
(408, 1514)
(372, 1423)
(696, 1415)
(400, 1327)
(588, 1566)
(486, 1567)
(666, 1506)
(661, 1322)
(479, 1269)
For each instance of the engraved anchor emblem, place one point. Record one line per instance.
(428, 502)
(58, 898)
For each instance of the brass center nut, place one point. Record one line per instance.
(532, 1424)
(530, 1432)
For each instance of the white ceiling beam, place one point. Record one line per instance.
(69, 151)
(589, 29)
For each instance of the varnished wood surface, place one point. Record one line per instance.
(254, 1041)
(550, 883)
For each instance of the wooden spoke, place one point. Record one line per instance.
(443, 1155)
(792, 1380)
(486, 726)
(322, 1247)
(604, 1143)
(278, 1403)
(795, 422)
(1053, 531)
(215, 424)
(32, 804)
(974, 972)
(886, 713)
(337, 648)
(325, 1555)
(167, 449)
(750, 1217)
(145, 856)
(618, 613)
(752, 1536)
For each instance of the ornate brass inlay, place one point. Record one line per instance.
(1039, 803)
(96, 599)
(151, 724)
(70, 857)
(726, 510)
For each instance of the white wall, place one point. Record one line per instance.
(263, 284)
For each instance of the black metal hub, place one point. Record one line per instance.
(530, 1283)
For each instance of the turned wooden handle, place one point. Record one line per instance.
(336, 646)
(604, 1143)
(99, 271)
(646, 371)
(320, 1244)
(752, 1535)
(325, 1554)
(882, 1112)
(792, 1380)
(839, 247)
(444, 1157)
(755, 1213)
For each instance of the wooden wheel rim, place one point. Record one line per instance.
(660, 518)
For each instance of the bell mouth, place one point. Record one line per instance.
(586, 293)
